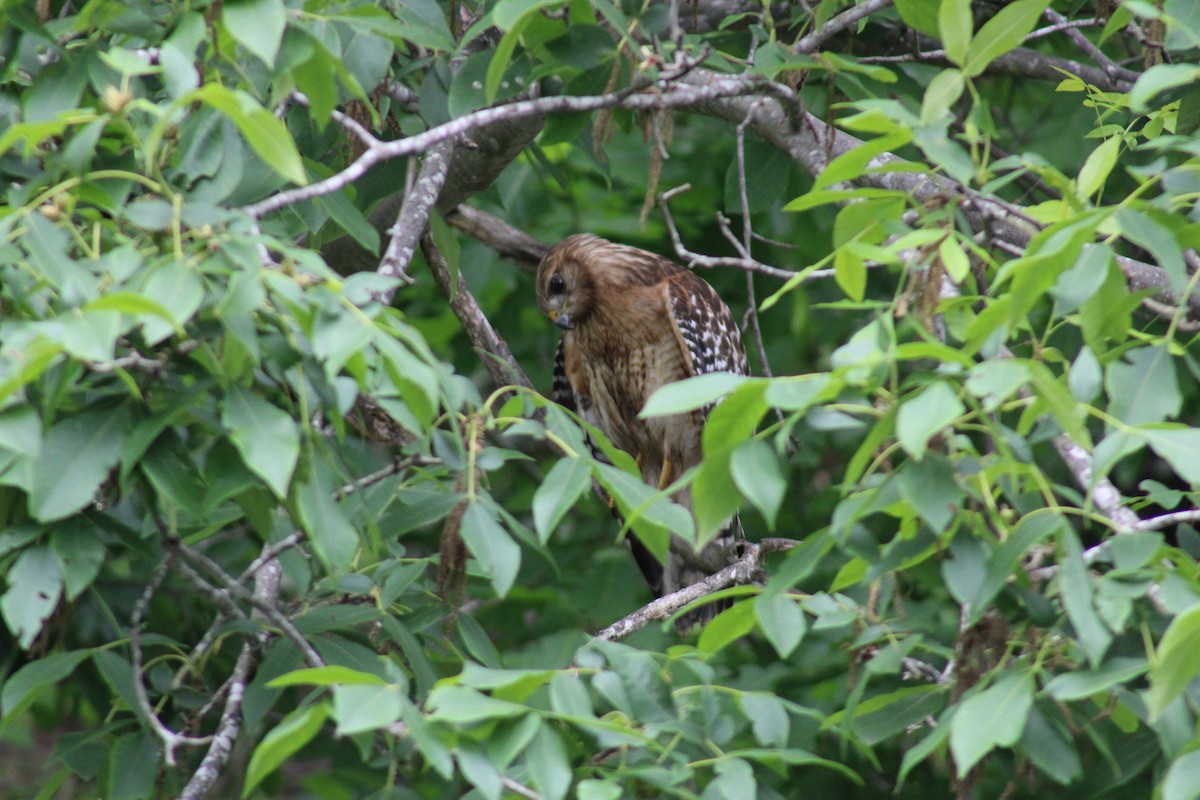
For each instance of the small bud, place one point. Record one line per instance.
(50, 211)
(115, 99)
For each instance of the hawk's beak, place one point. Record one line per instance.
(562, 319)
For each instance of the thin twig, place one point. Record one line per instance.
(266, 594)
(170, 739)
(1167, 520)
(234, 588)
(519, 788)
(1113, 70)
(698, 260)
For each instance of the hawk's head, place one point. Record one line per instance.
(565, 286)
(581, 271)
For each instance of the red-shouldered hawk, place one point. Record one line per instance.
(633, 322)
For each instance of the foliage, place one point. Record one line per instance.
(233, 461)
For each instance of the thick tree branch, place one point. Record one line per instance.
(498, 359)
(511, 243)
(414, 214)
(813, 144)
(844, 20)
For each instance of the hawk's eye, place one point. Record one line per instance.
(557, 284)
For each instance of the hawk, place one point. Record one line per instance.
(633, 322)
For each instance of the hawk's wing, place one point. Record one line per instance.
(705, 327)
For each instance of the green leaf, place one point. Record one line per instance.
(933, 410)
(502, 57)
(954, 27)
(266, 134)
(133, 767)
(21, 430)
(422, 23)
(1050, 750)
(924, 748)
(1083, 684)
(133, 304)
(508, 13)
(21, 688)
(591, 789)
(1176, 661)
(759, 477)
(80, 552)
(1142, 387)
(989, 719)
(727, 627)
(782, 621)
(651, 514)
(1158, 79)
(479, 770)
(498, 555)
(266, 436)
(257, 25)
(1179, 446)
(326, 676)
(566, 482)
(853, 164)
(91, 336)
(1182, 781)
(77, 454)
(549, 763)
(920, 15)
(359, 708)
(460, 705)
(932, 489)
(796, 392)
(691, 393)
(282, 742)
(1093, 637)
(334, 538)
(1031, 530)
(1085, 376)
(1099, 165)
(1002, 33)
(1153, 231)
(715, 497)
(954, 259)
(34, 585)
(177, 288)
(942, 93)
(768, 718)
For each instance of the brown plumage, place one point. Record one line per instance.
(633, 322)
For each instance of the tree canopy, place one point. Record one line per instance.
(284, 509)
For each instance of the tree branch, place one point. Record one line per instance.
(266, 593)
(813, 144)
(414, 215)
(837, 24)
(511, 243)
(739, 572)
(497, 358)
